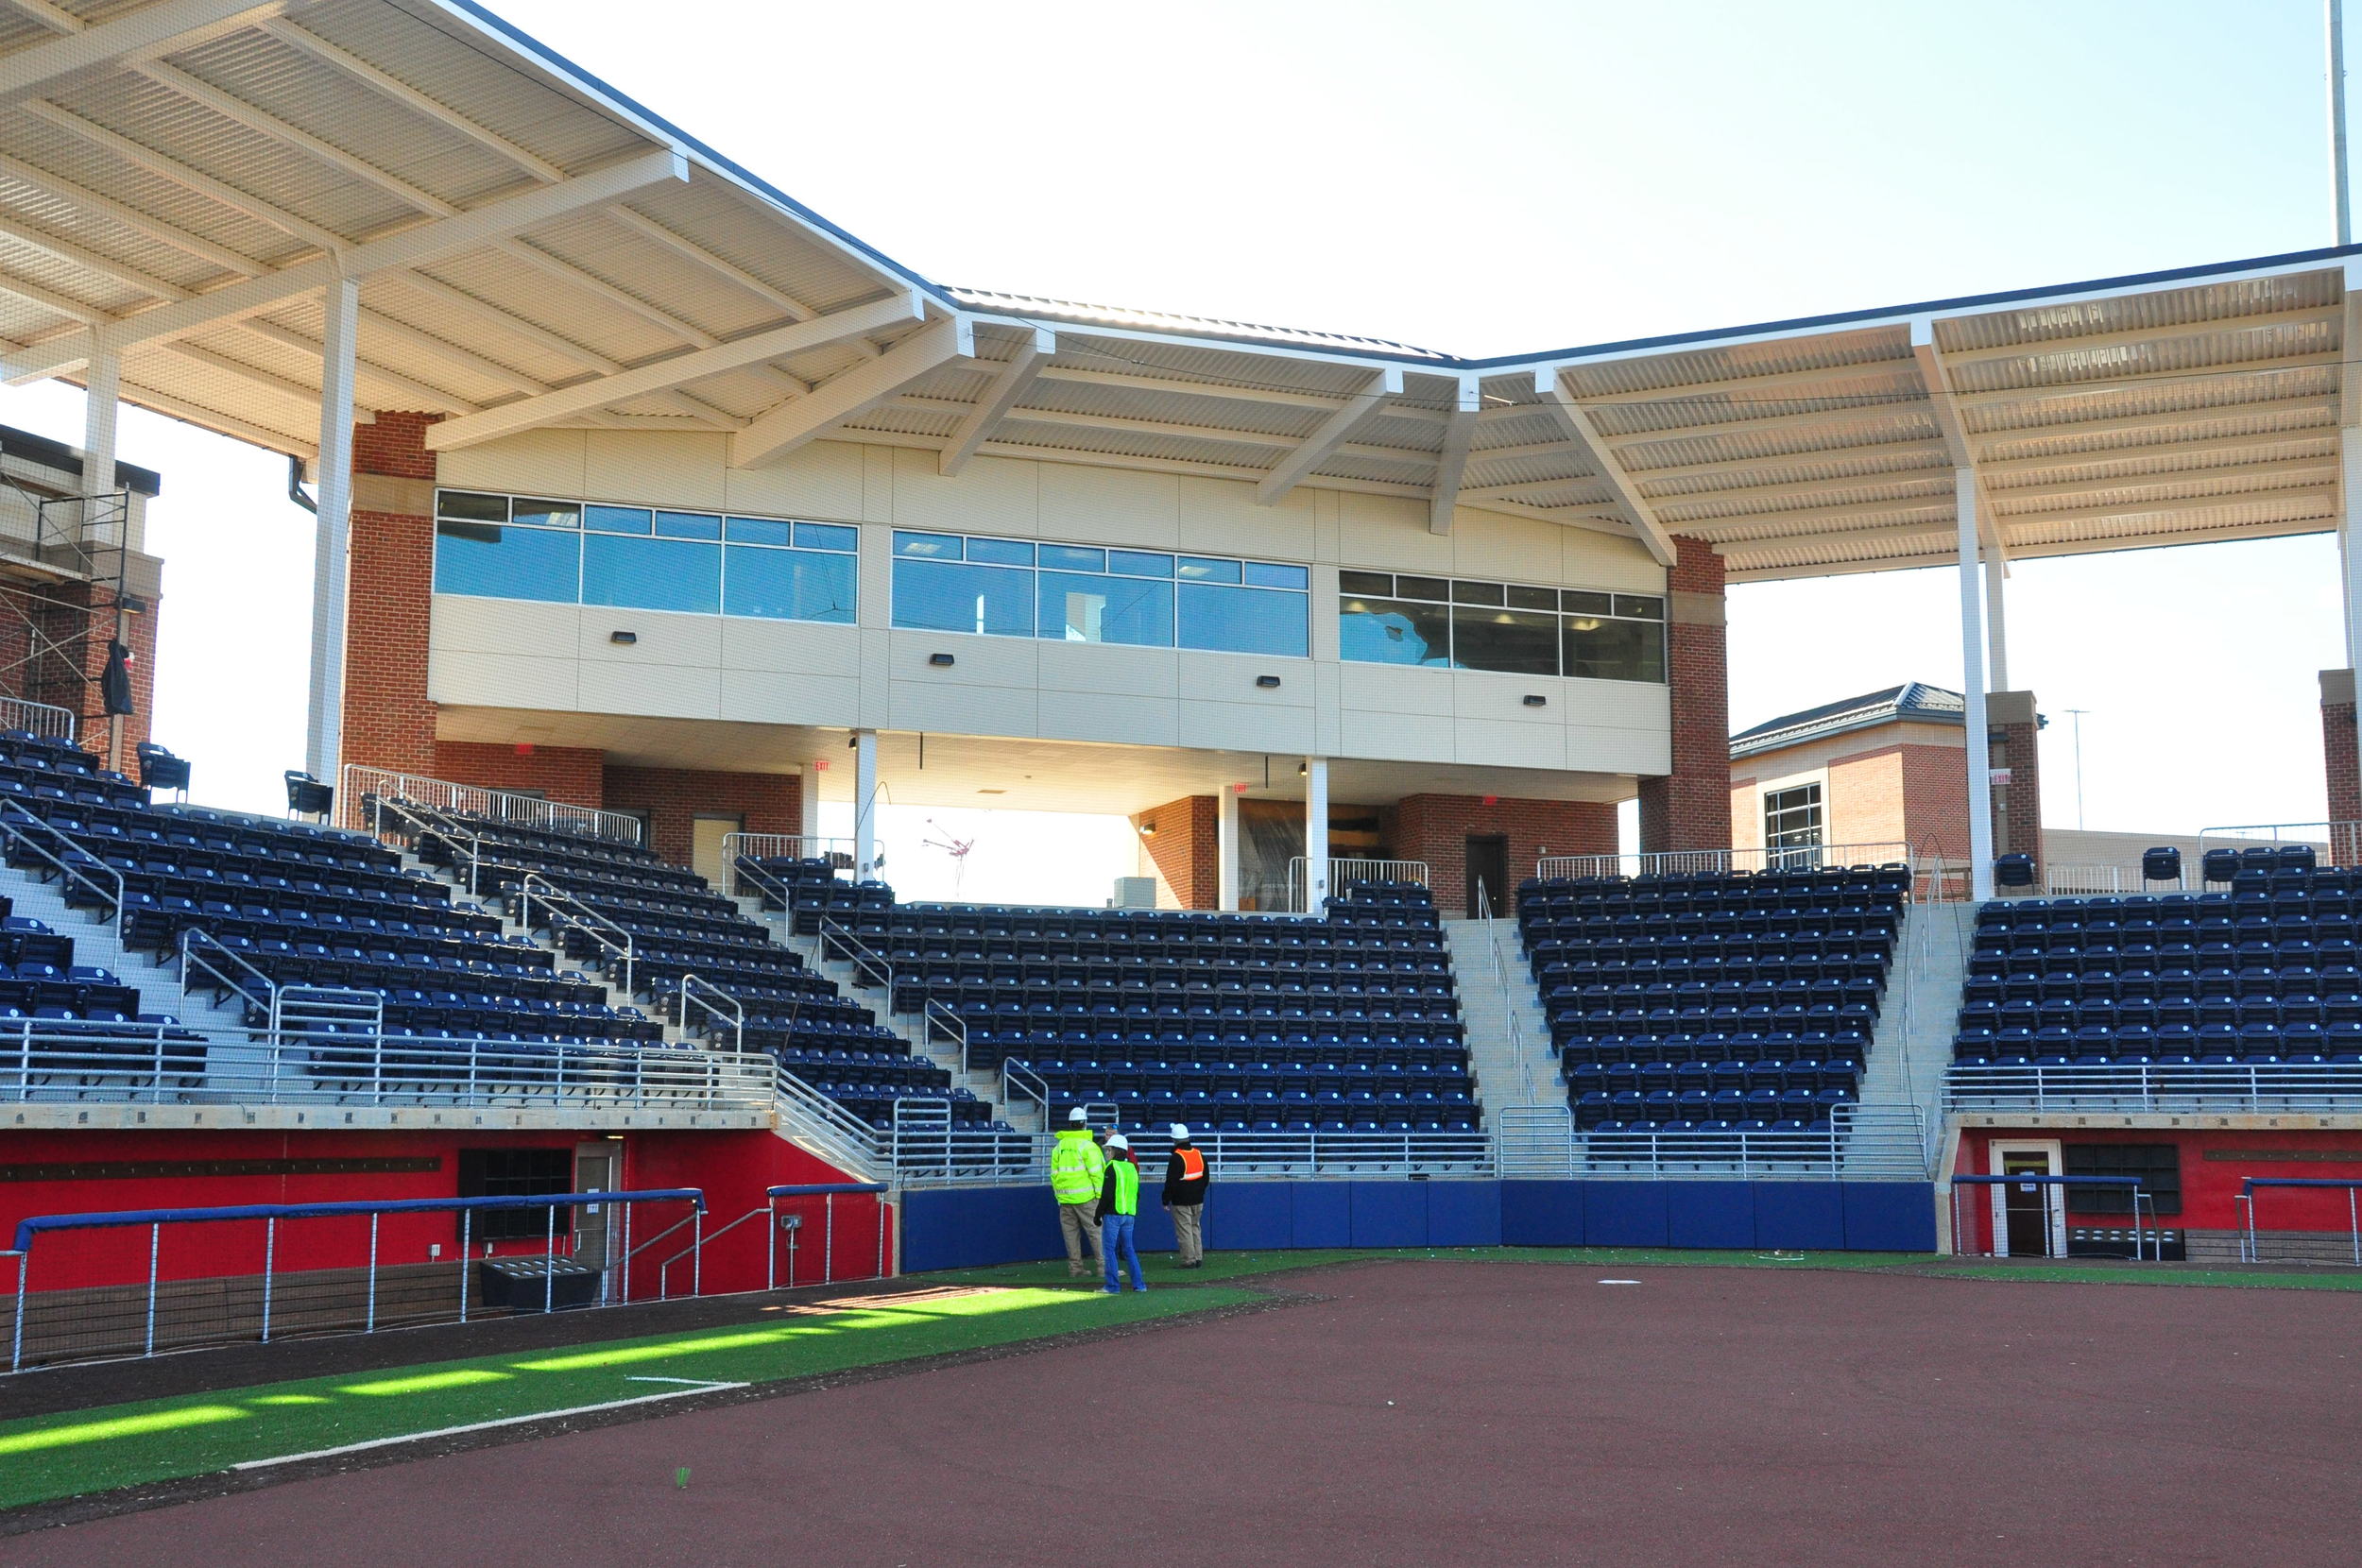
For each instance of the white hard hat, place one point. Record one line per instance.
(1076, 1114)
(1117, 1140)
(1180, 1133)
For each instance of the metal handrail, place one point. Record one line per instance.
(936, 1016)
(839, 1136)
(476, 800)
(1344, 869)
(568, 908)
(1693, 862)
(12, 823)
(728, 1010)
(767, 847)
(198, 947)
(46, 720)
(766, 886)
(1019, 1077)
(866, 960)
(467, 848)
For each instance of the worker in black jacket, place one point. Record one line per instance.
(1186, 1180)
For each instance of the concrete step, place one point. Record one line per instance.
(1508, 1035)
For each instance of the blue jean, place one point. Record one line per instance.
(1115, 1239)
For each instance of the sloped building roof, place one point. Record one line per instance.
(1914, 702)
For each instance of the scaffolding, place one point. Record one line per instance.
(64, 606)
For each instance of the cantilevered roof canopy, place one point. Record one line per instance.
(180, 178)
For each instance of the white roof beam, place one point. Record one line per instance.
(1837, 421)
(1806, 519)
(590, 283)
(294, 391)
(2157, 429)
(377, 324)
(2276, 364)
(1770, 380)
(1943, 405)
(263, 435)
(1530, 448)
(132, 39)
(2320, 470)
(196, 180)
(94, 261)
(665, 375)
(504, 320)
(1451, 461)
(1009, 385)
(1579, 428)
(411, 248)
(410, 97)
(49, 14)
(51, 299)
(2079, 515)
(2236, 449)
(771, 294)
(2309, 316)
(1782, 462)
(801, 420)
(132, 217)
(419, 395)
(1926, 473)
(1333, 433)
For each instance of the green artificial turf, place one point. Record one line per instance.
(65, 1455)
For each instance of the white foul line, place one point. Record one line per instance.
(488, 1425)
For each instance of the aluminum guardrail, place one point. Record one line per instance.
(2201, 1086)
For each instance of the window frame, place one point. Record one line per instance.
(1457, 601)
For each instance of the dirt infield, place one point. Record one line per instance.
(1443, 1413)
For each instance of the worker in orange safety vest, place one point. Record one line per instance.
(1186, 1180)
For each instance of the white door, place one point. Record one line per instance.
(2028, 1218)
(706, 855)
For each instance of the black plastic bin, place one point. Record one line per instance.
(534, 1283)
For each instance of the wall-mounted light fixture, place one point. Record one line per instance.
(1148, 829)
(1533, 700)
(941, 661)
(1267, 682)
(623, 638)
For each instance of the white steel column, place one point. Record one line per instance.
(1227, 849)
(1316, 833)
(1973, 688)
(102, 402)
(1997, 621)
(333, 535)
(864, 805)
(2340, 196)
(2350, 548)
(808, 810)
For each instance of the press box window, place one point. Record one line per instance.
(1513, 628)
(2157, 1167)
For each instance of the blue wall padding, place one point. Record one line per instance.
(1389, 1214)
(1249, 1217)
(1463, 1214)
(969, 1227)
(1710, 1213)
(1626, 1214)
(1154, 1234)
(1890, 1216)
(1324, 1214)
(1802, 1216)
(1542, 1214)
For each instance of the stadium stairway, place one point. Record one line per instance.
(1911, 1046)
(96, 943)
(1508, 1033)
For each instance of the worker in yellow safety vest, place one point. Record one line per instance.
(1076, 1167)
(1186, 1180)
(1120, 1214)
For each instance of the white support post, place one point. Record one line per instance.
(332, 537)
(864, 805)
(1973, 689)
(808, 809)
(1316, 833)
(102, 407)
(1226, 850)
(2350, 549)
(1997, 620)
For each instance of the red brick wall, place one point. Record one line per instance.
(2017, 805)
(2341, 776)
(389, 722)
(1186, 848)
(1934, 801)
(1436, 828)
(571, 773)
(676, 797)
(1690, 808)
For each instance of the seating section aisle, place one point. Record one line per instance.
(680, 927)
(1229, 1023)
(1725, 1003)
(2262, 973)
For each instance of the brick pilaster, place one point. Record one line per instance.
(676, 797)
(1186, 848)
(2017, 805)
(2341, 774)
(389, 722)
(1690, 808)
(1436, 829)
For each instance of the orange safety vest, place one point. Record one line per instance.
(1192, 1164)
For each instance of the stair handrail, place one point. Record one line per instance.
(705, 1239)
(744, 868)
(1019, 1079)
(16, 818)
(840, 1137)
(467, 848)
(864, 959)
(198, 947)
(722, 1008)
(566, 909)
(1508, 1007)
(935, 1014)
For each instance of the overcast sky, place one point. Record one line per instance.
(1486, 178)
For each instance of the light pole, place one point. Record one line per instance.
(2076, 713)
(2339, 201)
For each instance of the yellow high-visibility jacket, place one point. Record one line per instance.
(1076, 1166)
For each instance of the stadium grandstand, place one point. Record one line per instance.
(653, 509)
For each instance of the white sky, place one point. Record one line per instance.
(1484, 179)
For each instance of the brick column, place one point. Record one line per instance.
(676, 797)
(1690, 808)
(1436, 829)
(2337, 751)
(1184, 847)
(2017, 805)
(389, 722)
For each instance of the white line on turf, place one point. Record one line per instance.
(486, 1425)
(693, 1382)
(1619, 1282)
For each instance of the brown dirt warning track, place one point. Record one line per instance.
(1443, 1414)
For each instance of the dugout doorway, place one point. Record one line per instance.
(2028, 1219)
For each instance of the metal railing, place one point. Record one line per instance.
(722, 1011)
(788, 847)
(1343, 871)
(872, 969)
(414, 824)
(1693, 862)
(442, 795)
(2195, 1086)
(43, 719)
(941, 1023)
(21, 830)
(568, 913)
(226, 973)
(970, 1156)
(1862, 1142)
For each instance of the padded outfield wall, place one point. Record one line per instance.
(968, 1227)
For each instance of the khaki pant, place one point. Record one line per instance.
(1188, 1231)
(1079, 1224)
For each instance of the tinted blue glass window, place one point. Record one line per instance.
(940, 547)
(1393, 631)
(471, 506)
(759, 531)
(547, 514)
(1080, 608)
(617, 520)
(1244, 619)
(1140, 563)
(651, 574)
(688, 525)
(1001, 551)
(1072, 557)
(1199, 568)
(1271, 574)
(827, 536)
(789, 585)
(493, 562)
(944, 597)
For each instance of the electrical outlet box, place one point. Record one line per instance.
(433, 1251)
